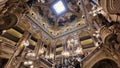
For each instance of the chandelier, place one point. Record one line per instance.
(72, 43)
(31, 56)
(66, 53)
(72, 48)
(42, 50)
(26, 43)
(79, 50)
(49, 54)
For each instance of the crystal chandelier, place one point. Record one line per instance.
(72, 43)
(72, 48)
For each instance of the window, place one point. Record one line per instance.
(59, 7)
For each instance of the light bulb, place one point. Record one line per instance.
(30, 62)
(31, 66)
(26, 43)
(25, 63)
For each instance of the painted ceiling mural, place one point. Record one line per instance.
(57, 16)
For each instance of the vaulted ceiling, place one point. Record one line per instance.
(56, 25)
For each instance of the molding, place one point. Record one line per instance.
(35, 22)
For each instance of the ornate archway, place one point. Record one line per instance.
(105, 63)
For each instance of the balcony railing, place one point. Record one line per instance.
(91, 54)
(47, 63)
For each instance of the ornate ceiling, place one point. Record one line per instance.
(44, 24)
(38, 19)
(70, 20)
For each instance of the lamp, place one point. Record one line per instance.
(31, 66)
(49, 54)
(79, 50)
(31, 54)
(41, 51)
(28, 62)
(66, 53)
(26, 43)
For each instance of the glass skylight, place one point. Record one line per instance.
(59, 7)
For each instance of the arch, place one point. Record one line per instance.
(47, 41)
(37, 34)
(58, 42)
(24, 25)
(3, 62)
(8, 21)
(105, 63)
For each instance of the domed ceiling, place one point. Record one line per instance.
(57, 16)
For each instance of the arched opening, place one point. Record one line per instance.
(106, 63)
(3, 61)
